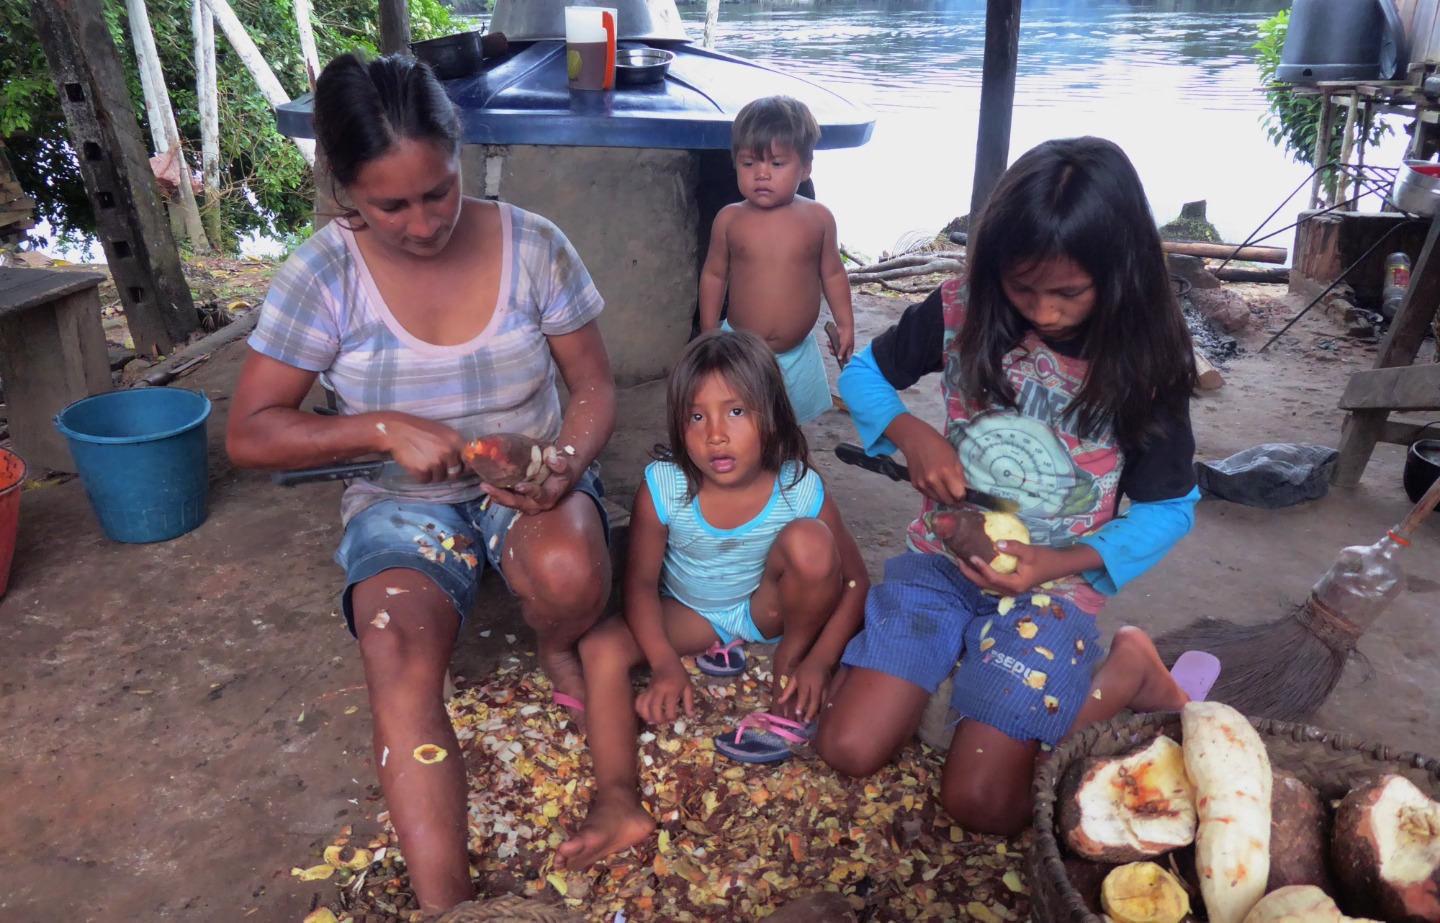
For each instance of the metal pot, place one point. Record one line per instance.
(544, 20)
(1416, 192)
(451, 56)
(1422, 465)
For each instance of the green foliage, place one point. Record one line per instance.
(266, 184)
(1293, 122)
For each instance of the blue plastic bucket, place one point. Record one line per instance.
(141, 455)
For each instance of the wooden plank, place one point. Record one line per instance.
(22, 289)
(1413, 387)
(1398, 432)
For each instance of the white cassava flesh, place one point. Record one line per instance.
(1228, 764)
(1131, 807)
(1296, 904)
(1386, 850)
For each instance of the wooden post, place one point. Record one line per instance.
(1346, 142)
(712, 19)
(255, 63)
(138, 244)
(997, 98)
(307, 40)
(394, 27)
(202, 24)
(163, 130)
(1322, 147)
(1363, 428)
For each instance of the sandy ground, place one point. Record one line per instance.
(185, 722)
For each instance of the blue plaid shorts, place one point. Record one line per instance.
(1025, 672)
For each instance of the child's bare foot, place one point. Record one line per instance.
(613, 825)
(1158, 690)
(562, 668)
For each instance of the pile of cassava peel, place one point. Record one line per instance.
(1211, 830)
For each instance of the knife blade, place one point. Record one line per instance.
(376, 469)
(852, 454)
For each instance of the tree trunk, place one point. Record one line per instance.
(1225, 251)
(202, 24)
(163, 130)
(250, 55)
(394, 27)
(997, 98)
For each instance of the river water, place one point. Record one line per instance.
(1173, 82)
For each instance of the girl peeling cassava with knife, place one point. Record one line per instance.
(1067, 373)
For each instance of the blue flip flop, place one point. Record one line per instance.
(723, 659)
(1195, 672)
(764, 738)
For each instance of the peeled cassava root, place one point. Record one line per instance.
(1131, 807)
(1296, 904)
(972, 534)
(507, 459)
(1230, 768)
(1143, 892)
(1386, 851)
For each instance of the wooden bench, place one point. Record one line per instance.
(52, 353)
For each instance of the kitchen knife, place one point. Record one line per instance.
(378, 468)
(852, 454)
(833, 333)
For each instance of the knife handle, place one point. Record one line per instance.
(330, 473)
(852, 454)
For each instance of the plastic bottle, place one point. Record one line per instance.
(1363, 580)
(1397, 280)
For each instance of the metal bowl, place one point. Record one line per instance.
(1417, 188)
(635, 66)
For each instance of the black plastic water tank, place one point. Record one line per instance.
(1343, 40)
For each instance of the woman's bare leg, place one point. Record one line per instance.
(405, 663)
(559, 567)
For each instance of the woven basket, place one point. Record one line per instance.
(508, 909)
(1333, 763)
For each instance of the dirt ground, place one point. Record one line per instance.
(185, 722)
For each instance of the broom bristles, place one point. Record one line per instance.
(1278, 669)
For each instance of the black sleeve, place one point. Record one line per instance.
(1164, 469)
(914, 347)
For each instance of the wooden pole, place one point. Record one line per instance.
(1322, 148)
(997, 98)
(163, 130)
(85, 65)
(712, 19)
(1346, 143)
(202, 24)
(255, 63)
(1225, 251)
(394, 27)
(307, 40)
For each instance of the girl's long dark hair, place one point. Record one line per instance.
(363, 109)
(746, 362)
(1080, 198)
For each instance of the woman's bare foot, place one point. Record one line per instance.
(1158, 690)
(614, 824)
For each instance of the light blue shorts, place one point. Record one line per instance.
(805, 380)
(734, 622)
(415, 535)
(1025, 673)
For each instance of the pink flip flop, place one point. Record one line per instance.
(1195, 672)
(763, 738)
(723, 659)
(567, 701)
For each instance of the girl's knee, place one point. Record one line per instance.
(807, 549)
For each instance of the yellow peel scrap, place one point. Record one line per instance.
(314, 872)
(1027, 629)
(557, 881)
(1045, 652)
(320, 915)
(1036, 680)
(1005, 605)
(1040, 600)
(986, 644)
(429, 754)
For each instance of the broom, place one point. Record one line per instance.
(1287, 668)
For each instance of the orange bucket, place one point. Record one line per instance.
(12, 475)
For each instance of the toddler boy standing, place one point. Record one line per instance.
(776, 251)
